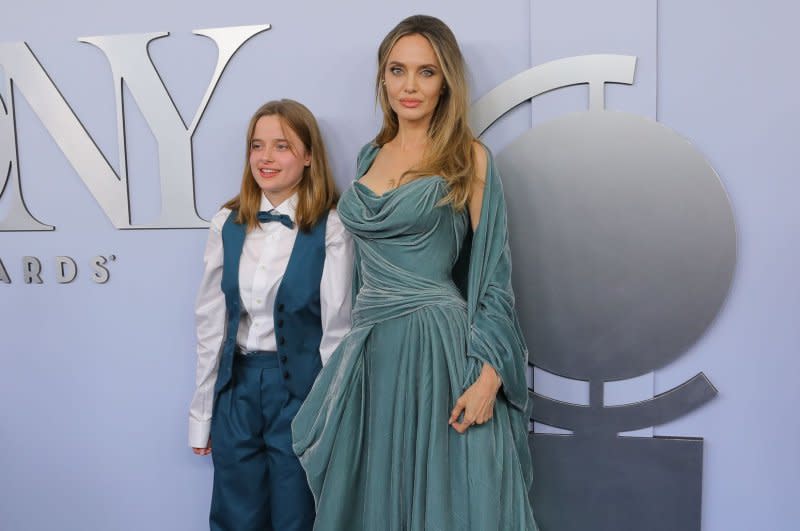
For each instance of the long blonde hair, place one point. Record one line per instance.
(450, 140)
(316, 191)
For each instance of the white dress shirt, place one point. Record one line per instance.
(265, 256)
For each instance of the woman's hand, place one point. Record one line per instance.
(203, 451)
(477, 402)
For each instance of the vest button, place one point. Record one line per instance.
(281, 340)
(280, 307)
(286, 376)
(280, 323)
(284, 359)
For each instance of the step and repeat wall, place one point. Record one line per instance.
(646, 149)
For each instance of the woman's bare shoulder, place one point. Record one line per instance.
(481, 159)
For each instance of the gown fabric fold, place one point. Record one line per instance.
(372, 434)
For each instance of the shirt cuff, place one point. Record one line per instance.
(199, 432)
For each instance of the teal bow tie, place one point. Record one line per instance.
(283, 219)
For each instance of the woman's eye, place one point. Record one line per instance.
(396, 70)
(427, 73)
(254, 147)
(282, 147)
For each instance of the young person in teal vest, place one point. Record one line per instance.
(273, 304)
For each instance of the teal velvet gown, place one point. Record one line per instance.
(373, 433)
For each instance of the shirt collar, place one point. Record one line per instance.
(288, 207)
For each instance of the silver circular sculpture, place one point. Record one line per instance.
(627, 247)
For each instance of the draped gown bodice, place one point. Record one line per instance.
(406, 247)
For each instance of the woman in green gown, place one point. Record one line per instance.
(418, 422)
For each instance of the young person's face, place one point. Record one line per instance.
(413, 79)
(277, 159)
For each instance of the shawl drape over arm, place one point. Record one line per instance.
(495, 335)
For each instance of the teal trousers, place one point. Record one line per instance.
(259, 484)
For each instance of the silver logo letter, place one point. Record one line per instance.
(130, 62)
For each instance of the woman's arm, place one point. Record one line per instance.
(477, 402)
(496, 349)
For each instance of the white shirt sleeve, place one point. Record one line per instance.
(335, 288)
(210, 321)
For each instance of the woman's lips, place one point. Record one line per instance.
(411, 104)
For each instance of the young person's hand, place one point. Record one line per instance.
(203, 451)
(477, 402)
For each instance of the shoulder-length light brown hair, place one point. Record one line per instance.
(316, 192)
(450, 141)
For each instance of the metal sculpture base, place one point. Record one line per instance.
(636, 473)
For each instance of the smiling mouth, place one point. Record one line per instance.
(268, 172)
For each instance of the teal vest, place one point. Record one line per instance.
(298, 325)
